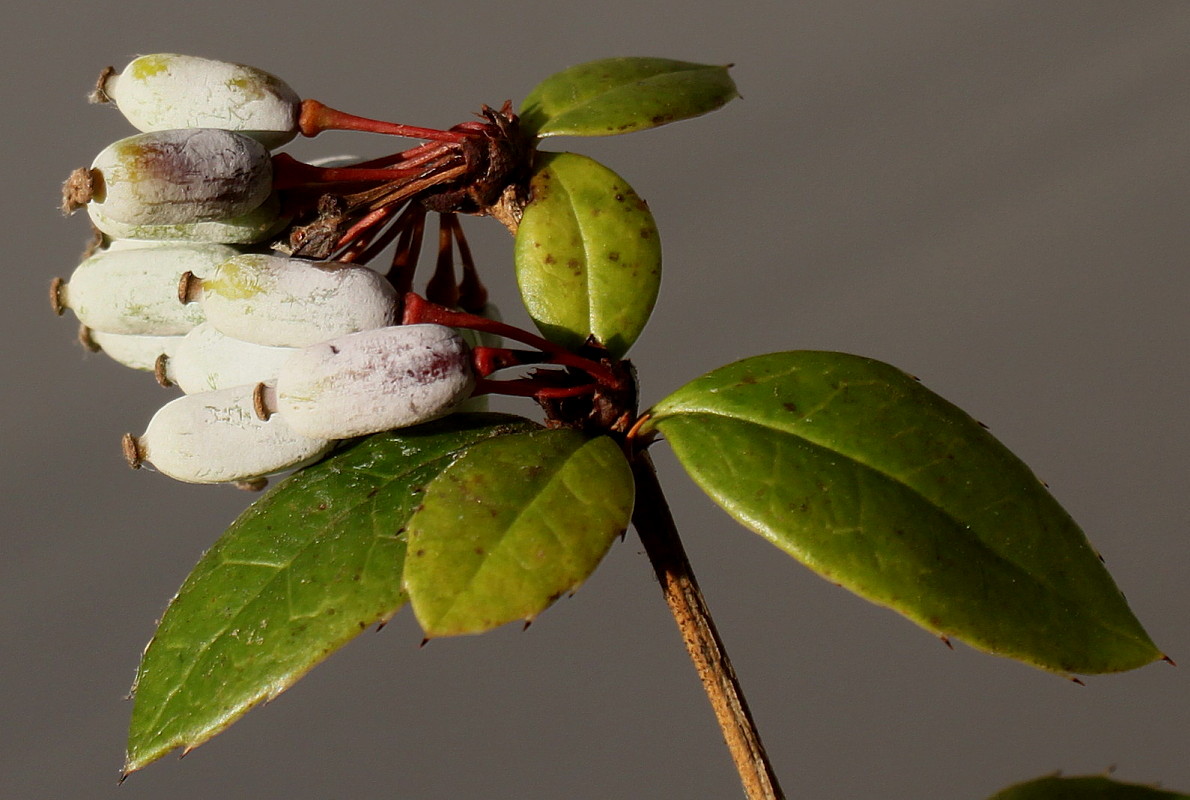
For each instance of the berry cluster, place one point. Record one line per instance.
(282, 349)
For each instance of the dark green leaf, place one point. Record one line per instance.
(301, 572)
(621, 95)
(513, 525)
(878, 484)
(588, 255)
(1087, 788)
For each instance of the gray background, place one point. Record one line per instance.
(991, 195)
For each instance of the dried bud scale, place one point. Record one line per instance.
(373, 381)
(216, 437)
(165, 91)
(279, 301)
(180, 176)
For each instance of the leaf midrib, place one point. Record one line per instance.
(883, 475)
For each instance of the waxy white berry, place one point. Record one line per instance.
(280, 301)
(255, 226)
(165, 91)
(206, 359)
(373, 381)
(217, 437)
(137, 352)
(133, 290)
(177, 176)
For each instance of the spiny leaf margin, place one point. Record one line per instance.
(880, 485)
(587, 255)
(1089, 787)
(612, 96)
(301, 572)
(513, 525)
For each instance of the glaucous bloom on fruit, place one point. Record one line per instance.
(131, 350)
(216, 437)
(165, 91)
(206, 359)
(176, 176)
(372, 381)
(255, 226)
(281, 301)
(133, 290)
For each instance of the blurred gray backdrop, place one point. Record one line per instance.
(990, 195)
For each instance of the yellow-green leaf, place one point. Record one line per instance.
(513, 525)
(588, 255)
(621, 95)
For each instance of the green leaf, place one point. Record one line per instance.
(588, 255)
(301, 572)
(621, 95)
(513, 525)
(1085, 788)
(877, 484)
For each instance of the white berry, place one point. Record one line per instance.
(374, 380)
(280, 301)
(133, 290)
(180, 176)
(135, 351)
(165, 90)
(217, 437)
(255, 226)
(206, 359)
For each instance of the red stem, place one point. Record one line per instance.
(412, 223)
(527, 387)
(365, 224)
(442, 287)
(317, 117)
(414, 156)
(418, 309)
(473, 295)
(289, 173)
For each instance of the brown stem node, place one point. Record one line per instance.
(260, 402)
(99, 93)
(57, 296)
(134, 454)
(78, 189)
(161, 370)
(189, 288)
(86, 340)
